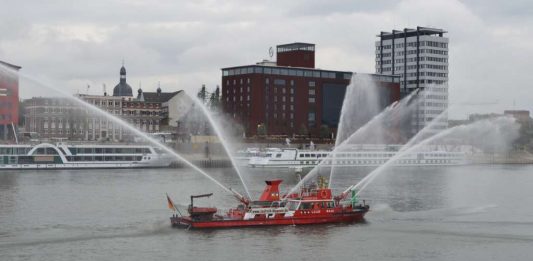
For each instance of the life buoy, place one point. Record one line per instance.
(324, 194)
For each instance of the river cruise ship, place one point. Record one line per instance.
(85, 156)
(365, 156)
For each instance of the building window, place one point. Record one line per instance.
(311, 83)
(279, 82)
(311, 99)
(311, 119)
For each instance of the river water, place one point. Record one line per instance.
(445, 213)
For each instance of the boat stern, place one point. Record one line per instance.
(180, 222)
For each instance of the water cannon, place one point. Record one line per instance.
(345, 193)
(240, 197)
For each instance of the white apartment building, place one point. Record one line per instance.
(420, 57)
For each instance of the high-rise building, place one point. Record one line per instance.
(9, 99)
(290, 96)
(420, 57)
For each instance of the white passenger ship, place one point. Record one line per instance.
(68, 156)
(366, 156)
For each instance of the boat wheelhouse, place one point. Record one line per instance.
(69, 156)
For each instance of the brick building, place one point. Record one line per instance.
(9, 99)
(58, 117)
(291, 96)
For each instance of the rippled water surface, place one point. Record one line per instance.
(452, 213)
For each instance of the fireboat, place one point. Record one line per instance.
(314, 204)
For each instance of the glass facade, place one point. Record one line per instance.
(332, 99)
(258, 69)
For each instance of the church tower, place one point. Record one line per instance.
(122, 88)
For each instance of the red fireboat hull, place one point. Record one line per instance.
(302, 219)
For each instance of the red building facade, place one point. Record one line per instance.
(9, 99)
(291, 96)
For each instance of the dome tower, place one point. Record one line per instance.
(122, 88)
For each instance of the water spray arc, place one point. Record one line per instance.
(396, 110)
(462, 130)
(222, 137)
(360, 104)
(127, 126)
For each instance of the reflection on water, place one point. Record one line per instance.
(418, 213)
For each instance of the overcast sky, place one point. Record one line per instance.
(183, 44)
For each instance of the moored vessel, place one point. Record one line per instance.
(355, 156)
(63, 155)
(314, 204)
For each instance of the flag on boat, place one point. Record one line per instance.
(170, 203)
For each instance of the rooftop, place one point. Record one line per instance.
(159, 97)
(408, 32)
(295, 47)
(299, 72)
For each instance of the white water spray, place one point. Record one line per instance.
(124, 124)
(222, 137)
(397, 110)
(504, 129)
(361, 103)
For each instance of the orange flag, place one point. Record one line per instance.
(170, 203)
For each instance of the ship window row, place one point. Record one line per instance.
(361, 162)
(316, 205)
(75, 150)
(368, 155)
(14, 151)
(103, 158)
(313, 155)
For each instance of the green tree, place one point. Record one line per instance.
(217, 92)
(214, 100)
(324, 131)
(202, 94)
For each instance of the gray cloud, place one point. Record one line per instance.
(184, 44)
